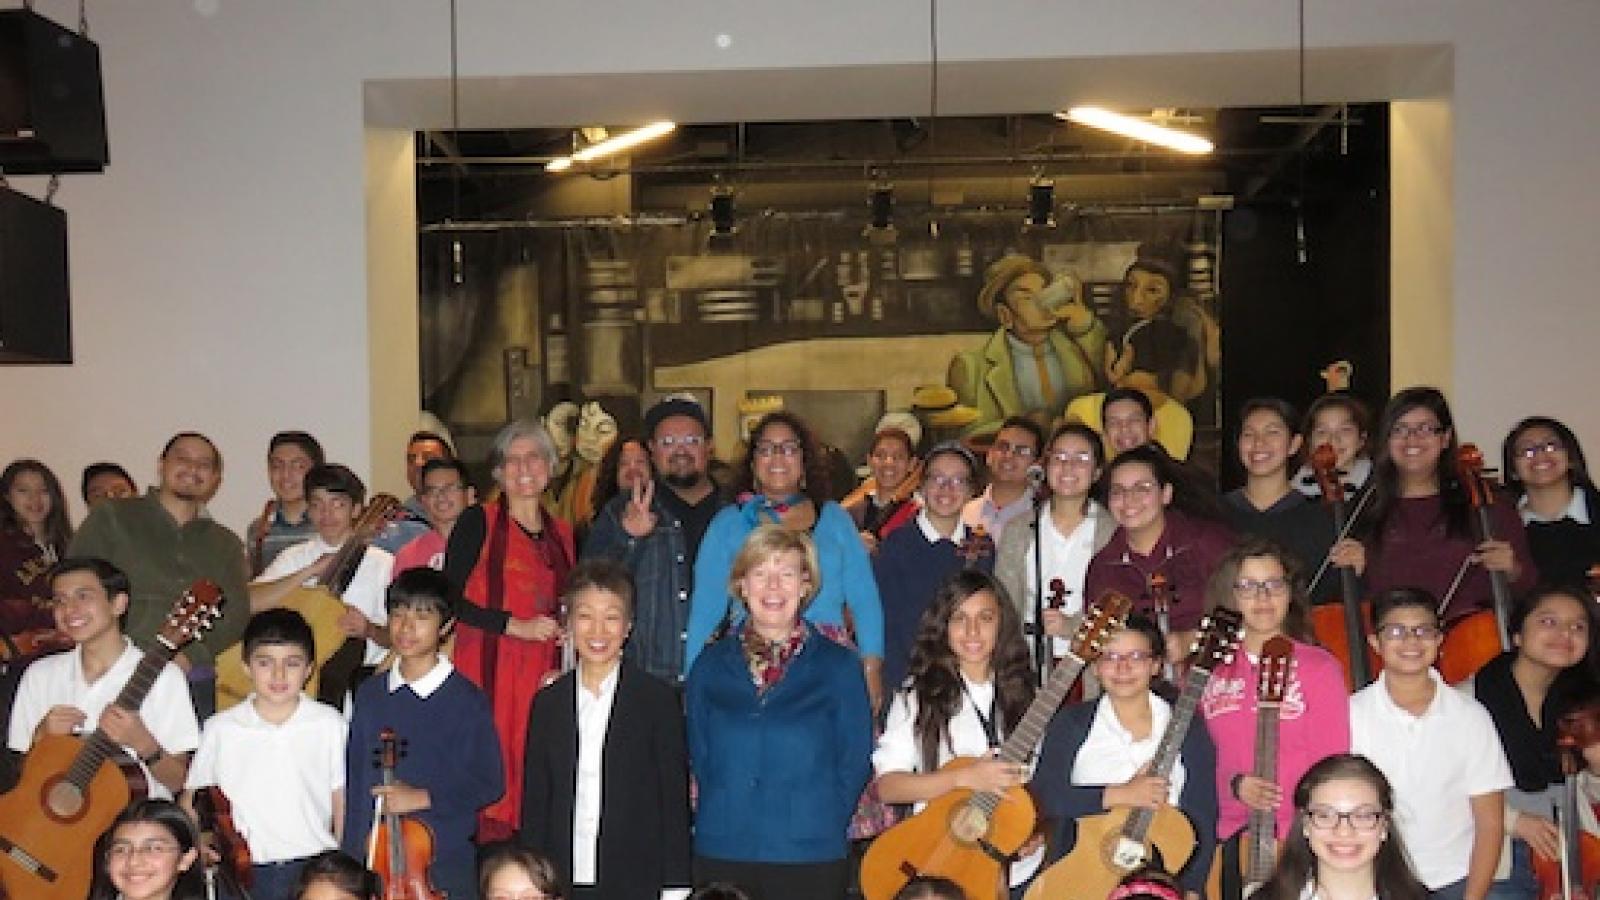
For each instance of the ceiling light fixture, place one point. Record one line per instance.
(612, 146)
(1041, 203)
(1138, 129)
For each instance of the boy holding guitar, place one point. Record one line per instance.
(71, 693)
(278, 757)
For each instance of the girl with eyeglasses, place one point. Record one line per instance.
(1438, 747)
(336, 876)
(1268, 505)
(1417, 528)
(149, 853)
(1342, 846)
(509, 871)
(1262, 581)
(1166, 526)
(914, 561)
(1552, 669)
(1037, 551)
(784, 480)
(1095, 754)
(1545, 470)
(970, 685)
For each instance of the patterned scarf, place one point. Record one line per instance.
(769, 660)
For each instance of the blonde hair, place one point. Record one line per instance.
(767, 541)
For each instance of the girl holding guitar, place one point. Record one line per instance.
(1344, 845)
(1417, 528)
(1526, 691)
(1096, 755)
(970, 684)
(1262, 582)
(1545, 470)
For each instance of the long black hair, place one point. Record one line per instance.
(57, 524)
(815, 483)
(936, 675)
(190, 884)
(606, 485)
(1577, 467)
(1189, 496)
(1385, 481)
(342, 871)
(1393, 878)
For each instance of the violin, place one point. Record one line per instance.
(400, 848)
(1575, 875)
(1480, 636)
(1342, 627)
(1162, 593)
(214, 813)
(1057, 600)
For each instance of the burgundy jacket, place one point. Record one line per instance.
(1187, 553)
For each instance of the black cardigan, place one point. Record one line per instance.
(1059, 799)
(644, 801)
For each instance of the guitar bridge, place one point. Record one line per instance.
(1128, 855)
(27, 861)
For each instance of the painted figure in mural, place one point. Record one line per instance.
(562, 423)
(1047, 350)
(595, 433)
(1167, 343)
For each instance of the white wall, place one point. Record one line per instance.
(225, 279)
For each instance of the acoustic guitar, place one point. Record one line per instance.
(1253, 852)
(72, 788)
(968, 836)
(322, 609)
(1112, 844)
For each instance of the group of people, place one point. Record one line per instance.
(733, 688)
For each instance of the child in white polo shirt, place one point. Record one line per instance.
(278, 757)
(1437, 746)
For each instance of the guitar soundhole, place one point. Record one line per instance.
(63, 801)
(969, 824)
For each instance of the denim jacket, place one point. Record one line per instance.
(663, 580)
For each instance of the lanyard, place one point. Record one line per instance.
(990, 731)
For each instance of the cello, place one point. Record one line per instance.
(1342, 628)
(1477, 637)
(1576, 874)
(399, 848)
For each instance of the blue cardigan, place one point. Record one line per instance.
(1058, 798)
(846, 577)
(779, 775)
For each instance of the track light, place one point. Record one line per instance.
(880, 213)
(1138, 129)
(1041, 203)
(612, 146)
(723, 212)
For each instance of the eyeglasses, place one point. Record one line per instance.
(1555, 623)
(1399, 633)
(442, 490)
(1404, 430)
(1275, 586)
(1326, 818)
(1006, 448)
(766, 449)
(1140, 489)
(148, 849)
(1133, 657)
(947, 481)
(1070, 458)
(1529, 451)
(686, 441)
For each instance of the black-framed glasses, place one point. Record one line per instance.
(686, 441)
(1363, 818)
(1007, 448)
(1070, 458)
(1276, 586)
(1529, 451)
(766, 449)
(1422, 430)
(1399, 633)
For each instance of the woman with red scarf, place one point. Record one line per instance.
(508, 558)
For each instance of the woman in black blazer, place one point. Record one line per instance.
(606, 784)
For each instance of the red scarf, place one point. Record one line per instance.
(769, 660)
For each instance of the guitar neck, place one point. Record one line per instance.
(1263, 827)
(1171, 746)
(346, 561)
(1020, 744)
(98, 748)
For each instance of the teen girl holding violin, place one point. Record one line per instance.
(1545, 470)
(1417, 528)
(1262, 581)
(1343, 423)
(1165, 526)
(1551, 670)
(971, 682)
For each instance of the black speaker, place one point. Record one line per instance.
(35, 303)
(52, 111)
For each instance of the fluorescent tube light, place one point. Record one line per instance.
(612, 146)
(1138, 129)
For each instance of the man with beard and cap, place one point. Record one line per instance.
(656, 529)
(164, 543)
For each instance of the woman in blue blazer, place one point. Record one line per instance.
(780, 734)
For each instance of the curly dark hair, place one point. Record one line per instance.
(935, 675)
(815, 484)
(1219, 589)
(605, 483)
(57, 524)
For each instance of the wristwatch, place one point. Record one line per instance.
(153, 758)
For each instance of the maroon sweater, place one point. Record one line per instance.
(1187, 553)
(24, 590)
(1415, 551)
